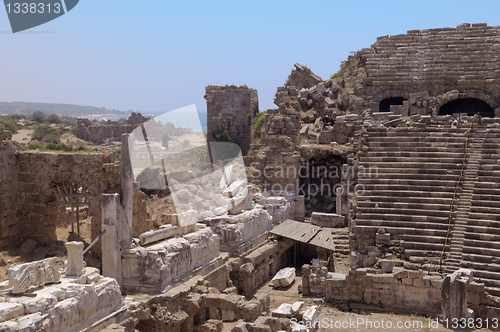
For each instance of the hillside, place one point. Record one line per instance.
(59, 109)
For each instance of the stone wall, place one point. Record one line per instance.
(235, 108)
(402, 291)
(28, 184)
(97, 133)
(9, 188)
(154, 267)
(433, 61)
(257, 267)
(39, 173)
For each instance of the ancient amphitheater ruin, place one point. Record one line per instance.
(389, 166)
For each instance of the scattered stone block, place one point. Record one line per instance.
(283, 311)
(284, 277)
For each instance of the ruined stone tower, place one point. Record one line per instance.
(234, 107)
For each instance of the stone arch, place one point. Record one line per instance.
(388, 95)
(479, 96)
(470, 106)
(385, 104)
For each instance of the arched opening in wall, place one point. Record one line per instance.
(470, 106)
(319, 182)
(385, 104)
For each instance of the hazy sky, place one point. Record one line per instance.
(159, 55)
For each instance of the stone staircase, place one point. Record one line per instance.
(340, 238)
(469, 178)
(411, 194)
(481, 242)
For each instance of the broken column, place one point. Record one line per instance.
(127, 184)
(75, 258)
(454, 295)
(114, 226)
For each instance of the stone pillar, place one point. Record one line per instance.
(113, 223)
(127, 184)
(338, 193)
(299, 208)
(75, 258)
(454, 295)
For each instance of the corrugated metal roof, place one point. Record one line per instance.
(306, 233)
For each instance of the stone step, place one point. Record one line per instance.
(481, 251)
(486, 274)
(424, 239)
(412, 154)
(415, 182)
(486, 191)
(495, 291)
(404, 203)
(486, 200)
(484, 216)
(481, 266)
(400, 231)
(488, 282)
(401, 209)
(488, 185)
(483, 236)
(455, 148)
(424, 253)
(408, 175)
(412, 170)
(413, 164)
(392, 194)
(484, 209)
(405, 199)
(381, 223)
(393, 214)
(423, 246)
(395, 159)
(481, 226)
(406, 187)
(423, 140)
(482, 243)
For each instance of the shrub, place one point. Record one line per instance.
(9, 124)
(222, 134)
(53, 118)
(258, 121)
(306, 69)
(54, 146)
(337, 75)
(38, 116)
(43, 130)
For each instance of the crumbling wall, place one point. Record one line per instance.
(257, 267)
(9, 188)
(235, 108)
(96, 132)
(40, 172)
(28, 183)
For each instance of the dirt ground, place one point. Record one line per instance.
(332, 319)
(23, 135)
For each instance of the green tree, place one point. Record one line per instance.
(222, 134)
(38, 116)
(9, 124)
(164, 140)
(53, 118)
(258, 121)
(43, 130)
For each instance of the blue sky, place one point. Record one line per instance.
(159, 55)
